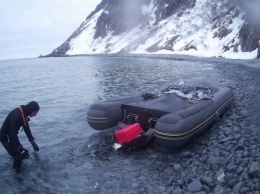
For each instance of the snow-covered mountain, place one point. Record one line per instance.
(224, 28)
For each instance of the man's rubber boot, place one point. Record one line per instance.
(17, 164)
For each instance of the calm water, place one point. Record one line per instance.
(64, 88)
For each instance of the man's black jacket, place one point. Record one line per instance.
(12, 124)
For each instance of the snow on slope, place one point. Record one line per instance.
(192, 33)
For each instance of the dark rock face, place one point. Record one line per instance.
(169, 44)
(119, 16)
(60, 51)
(249, 37)
(249, 34)
(167, 8)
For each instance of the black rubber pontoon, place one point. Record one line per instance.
(174, 119)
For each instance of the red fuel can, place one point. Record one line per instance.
(128, 133)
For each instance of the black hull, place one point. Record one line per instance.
(104, 115)
(177, 135)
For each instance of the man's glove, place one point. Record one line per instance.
(25, 154)
(35, 146)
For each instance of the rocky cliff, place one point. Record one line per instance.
(199, 27)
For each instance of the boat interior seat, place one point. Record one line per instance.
(162, 105)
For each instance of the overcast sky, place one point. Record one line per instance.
(29, 28)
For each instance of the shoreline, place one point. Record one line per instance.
(248, 62)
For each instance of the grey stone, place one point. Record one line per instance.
(239, 147)
(206, 180)
(231, 168)
(232, 183)
(220, 176)
(246, 154)
(170, 181)
(213, 160)
(200, 192)
(237, 136)
(220, 190)
(239, 170)
(245, 176)
(254, 169)
(257, 186)
(244, 190)
(177, 191)
(238, 186)
(177, 168)
(244, 113)
(195, 186)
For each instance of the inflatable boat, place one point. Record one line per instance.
(176, 114)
